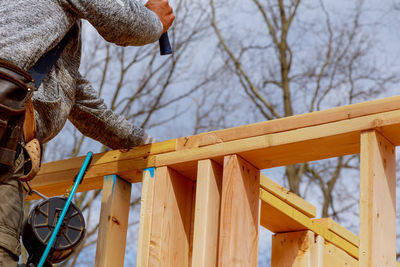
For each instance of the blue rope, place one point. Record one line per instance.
(65, 209)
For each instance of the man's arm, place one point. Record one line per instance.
(92, 118)
(123, 22)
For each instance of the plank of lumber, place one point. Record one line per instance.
(336, 257)
(312, 141)
(294, 249)
(339, 230)
(239, 223)
(272, 218)
(294, 146)
(171, 219)
(55, 177)
(274, 211)
(146, 209)
(206, 220)
(291, 123)
(113, 226)
(377, 201)
(288, 197)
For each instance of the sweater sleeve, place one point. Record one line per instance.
(92, 118)
(123, 22)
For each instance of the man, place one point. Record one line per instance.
(30, 28)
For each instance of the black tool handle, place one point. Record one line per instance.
(165, 46)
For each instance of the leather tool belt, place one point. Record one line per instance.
(17, 120)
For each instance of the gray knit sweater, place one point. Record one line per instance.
(29, 28)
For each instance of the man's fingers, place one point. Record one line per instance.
(171, 19)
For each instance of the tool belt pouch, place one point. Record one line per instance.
(16, 88)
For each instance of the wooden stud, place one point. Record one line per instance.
(114, 215)
(317, 252)
(293, 249)
(238, 241)
(377, 201)
(171, 219)
(191, 240)
(206, 223)
(146, 208)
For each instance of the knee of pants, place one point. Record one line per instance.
(7, 259)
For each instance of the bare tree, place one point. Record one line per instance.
(146, 89)
(302, 56)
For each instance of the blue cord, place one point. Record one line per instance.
(65, 209)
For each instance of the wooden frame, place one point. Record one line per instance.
(207, 214)
(332, 133)
(184, 197)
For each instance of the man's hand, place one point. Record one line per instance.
(148, 139)
(163, 10)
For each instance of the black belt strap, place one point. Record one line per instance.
(47, 61)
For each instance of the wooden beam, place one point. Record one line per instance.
(171, 219)
(206, 222)
(294, 249)
(377, 201)
(291, 123)
(276, 149)
(55, 177)
(339, 230)
(113, 226)
(238, 242)
(275, 211)
(288, 197)
(146, 212)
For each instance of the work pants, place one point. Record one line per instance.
(11, 214)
